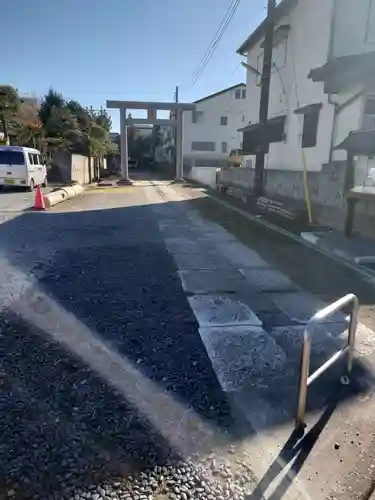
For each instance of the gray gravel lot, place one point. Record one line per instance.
(65, 432)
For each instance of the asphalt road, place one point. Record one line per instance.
(15, 201)
(130, 323)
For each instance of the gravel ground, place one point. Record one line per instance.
(65, 433)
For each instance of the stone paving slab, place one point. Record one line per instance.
(242, 256)
(207, 281)
(222, 310)
(269, 280)
(193, 261)
(301, 306)
(182, 245)
(242, 355)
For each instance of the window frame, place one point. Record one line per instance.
(223, 121)
(203, 150)
(224, 147)
(309, 139)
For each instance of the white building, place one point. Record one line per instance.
(322, 83)
(211, 131)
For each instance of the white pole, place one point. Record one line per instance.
(179, 150)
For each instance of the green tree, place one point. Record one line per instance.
(103, 119)
(9, 106)
(26, 127)
(51, 101)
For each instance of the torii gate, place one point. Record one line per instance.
(151, 108)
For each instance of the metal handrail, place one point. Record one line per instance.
(305, 378)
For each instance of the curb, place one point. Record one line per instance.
(368, 276)
(58, 195)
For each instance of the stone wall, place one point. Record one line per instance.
(326, 193)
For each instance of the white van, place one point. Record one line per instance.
(22, 167)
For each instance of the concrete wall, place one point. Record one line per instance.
(72, 167)
(80, 169)
(210, 130)
(326, 193)
(294, 56)
(203, 175)
(354, 27)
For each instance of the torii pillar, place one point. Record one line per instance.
(176, 110)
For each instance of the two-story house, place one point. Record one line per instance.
(321, 81)
(211, 132)
(322, 100)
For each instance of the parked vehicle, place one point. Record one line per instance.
(22, 167)
(235, 158)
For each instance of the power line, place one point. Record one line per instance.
(210, 52)
(215, 41)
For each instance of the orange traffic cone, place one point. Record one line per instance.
(39, 199)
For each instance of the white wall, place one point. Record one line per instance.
(204, 175)
(210, 130)
(306, 47)
(354, 27)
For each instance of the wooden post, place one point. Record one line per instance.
(265, 94)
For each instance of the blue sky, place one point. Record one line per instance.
(94, 50)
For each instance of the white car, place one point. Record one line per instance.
(22, 167)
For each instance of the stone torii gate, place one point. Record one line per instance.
(151, 108)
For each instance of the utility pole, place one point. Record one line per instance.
(175, 127)
(265, 94)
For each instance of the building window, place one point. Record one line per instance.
(369, 113)
(310, 129)
(224, 120)
(243, 118)
(202, 146)
(197, 116)
(240, 94)
(224, 147)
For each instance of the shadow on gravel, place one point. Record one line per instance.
(62, 427)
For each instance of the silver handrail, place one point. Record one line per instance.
(305, 378)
